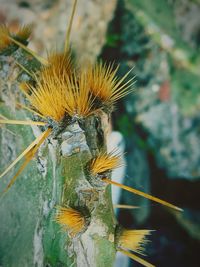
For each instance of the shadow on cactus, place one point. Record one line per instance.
(62, 94)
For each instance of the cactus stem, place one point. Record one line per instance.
(29, 156)
(44, 135)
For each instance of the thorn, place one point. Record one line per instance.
(29, 156)
(137, 192)
(105, 162)
(24, 153)
(70, 219)
(70, 27)
(17, 122)
(25, 69)
(136, 258)
(133, 240)
(29, 109)
(28, 50)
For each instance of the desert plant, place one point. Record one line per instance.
(68, 104)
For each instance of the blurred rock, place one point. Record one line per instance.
(174, 138)
(137, 176)
(50, 20)
(166, 102)
(160, 120)
(187, 19)
(190, 221)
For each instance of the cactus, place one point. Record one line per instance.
(64, 198)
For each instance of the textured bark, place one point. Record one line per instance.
(95, 246)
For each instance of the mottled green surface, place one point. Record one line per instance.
(20, 207)
(29, 235)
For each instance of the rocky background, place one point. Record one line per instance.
(160, 121)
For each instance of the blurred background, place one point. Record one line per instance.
(159, 124)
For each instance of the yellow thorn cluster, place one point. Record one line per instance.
(105, 162)
(59, 89)
(133, 240)
(70, 219)
(4, 40)
(22, 34)
(58, 93)
(80, 93)
(59, 65)
(49, 96)
(105, 85)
